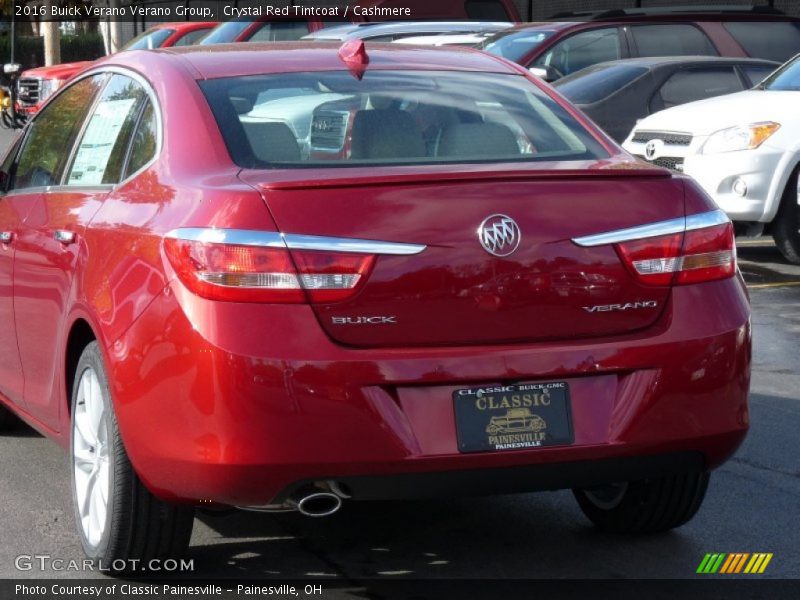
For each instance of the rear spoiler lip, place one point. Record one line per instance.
(308, 178)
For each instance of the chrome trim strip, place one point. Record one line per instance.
(241, 237)
(268, 239)
(679, 225)
(313, 242)
(706, 219)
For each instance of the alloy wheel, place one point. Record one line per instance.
(90, 456)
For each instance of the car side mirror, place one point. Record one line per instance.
(545, 72)
(11, 68)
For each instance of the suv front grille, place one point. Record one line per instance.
(673, 163)
(28, 91)
(669, 139)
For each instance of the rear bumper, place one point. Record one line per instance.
(245, 403)
(512, 480)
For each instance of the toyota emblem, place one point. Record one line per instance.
(653, 149)
(499, 235)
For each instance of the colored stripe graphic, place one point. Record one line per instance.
(711, 563)
(735, 562)
(759, 562)
(729, 562)
(704, 564)
(741, 562)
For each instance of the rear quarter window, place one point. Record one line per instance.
(688, 85)
(391, 118)
(770, 41)
(672, 39)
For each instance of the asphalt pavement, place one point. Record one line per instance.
(753, 502)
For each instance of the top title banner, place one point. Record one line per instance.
(218, 10)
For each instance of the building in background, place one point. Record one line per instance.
(533, 10)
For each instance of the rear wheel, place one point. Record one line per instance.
(644, 506)
(787, 222)
(118, 518)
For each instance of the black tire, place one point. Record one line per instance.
(787, 223)
(7, 122)
(138, 526)
(644, 506)
(6, 418)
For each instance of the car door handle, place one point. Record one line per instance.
(6, 237)
(64, 236)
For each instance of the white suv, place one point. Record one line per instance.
(743, 148)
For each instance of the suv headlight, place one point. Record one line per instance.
(741, 137)
(48, 88)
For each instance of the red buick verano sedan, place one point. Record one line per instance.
(287, 276)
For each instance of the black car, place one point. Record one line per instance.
(616, 94)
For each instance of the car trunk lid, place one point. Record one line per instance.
(456, 291)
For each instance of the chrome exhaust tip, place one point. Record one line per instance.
(317, 504)
(320, 499)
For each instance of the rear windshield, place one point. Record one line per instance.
(592, 84)
(392, 117)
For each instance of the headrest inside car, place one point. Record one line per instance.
(272, 142)
(478, 139)
(386, 133)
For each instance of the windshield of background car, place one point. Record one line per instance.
(226, 32)
(149, 40)
(595, 83)
(392, 117)
(515, 45)
(787, 78)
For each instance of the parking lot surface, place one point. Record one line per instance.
(751, 506)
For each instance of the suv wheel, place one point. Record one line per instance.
(644, 506)
(787, 222)
(118, 519)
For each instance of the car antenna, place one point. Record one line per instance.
(354, 54)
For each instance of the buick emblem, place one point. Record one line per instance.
(653, 149)
(499, 235)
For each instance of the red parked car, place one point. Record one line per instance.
(348, 283)
(574, 41)
(37, 85)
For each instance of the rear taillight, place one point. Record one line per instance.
(266, 273)
(692, 256)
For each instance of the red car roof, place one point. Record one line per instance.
(185, 25)
(229, 60)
